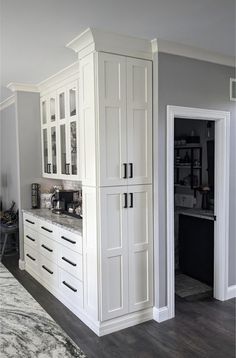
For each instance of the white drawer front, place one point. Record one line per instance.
(70, 261)
(47, 229)
(32, 258)
(48, 271)
(48, 248)
(71, 288)
(31, 237)
(30, 221)
(70, 240)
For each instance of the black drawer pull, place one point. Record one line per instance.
(47, 248)
(131, 200)
(65, 238)
(44, 228)
(131, 170)
(126, 200)
(30, 238)
(69, 262)
(45, 268)
(31, 257)
(29, 221)
(125, 170)
(69, 286)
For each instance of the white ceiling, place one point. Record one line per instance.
(34, 32)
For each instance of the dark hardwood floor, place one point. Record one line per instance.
(204, 328)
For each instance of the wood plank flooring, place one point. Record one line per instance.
(201, 329)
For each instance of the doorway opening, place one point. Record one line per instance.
(197, 203)
(194, 163)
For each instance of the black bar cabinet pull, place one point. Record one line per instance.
(28, 221)
(131, 200)
(69, 262)
(125, 171)
(126, 201)
(30, 238)
(47, 248)
(69, 286)
(49, 168)
(131, 170)
(45, 268)
(31, 257)
(44, 228)
(65, 238)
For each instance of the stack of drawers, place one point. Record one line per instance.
(53, 255)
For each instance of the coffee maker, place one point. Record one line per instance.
(60, 199)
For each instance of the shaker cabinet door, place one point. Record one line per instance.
(140, 238)
(114, 250)
(112, 119)
(139, 121)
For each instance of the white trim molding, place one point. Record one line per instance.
(7, 102)
(161, 314)
(94, 39)
(22, 87)
(179, 49)
(232, 83)
(221, 236)
(231, 292)
(21, 264)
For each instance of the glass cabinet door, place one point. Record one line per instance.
(73, 147)
(62, 109)
(44, 112)
(54, 149)
(72, 102)
(63, 149)
(45, 150)
(52, 109)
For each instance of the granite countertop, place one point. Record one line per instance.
(198, 213)
(66, 222)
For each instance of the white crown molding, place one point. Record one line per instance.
(175, 48)
(98, 40)
(7, 102)
(22, 87)
(55, 80)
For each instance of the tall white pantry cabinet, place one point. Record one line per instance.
(115, 126)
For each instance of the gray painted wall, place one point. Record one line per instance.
(192, 83)
(28, 127)
(9, 189)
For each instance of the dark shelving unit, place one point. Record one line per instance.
(188, 166)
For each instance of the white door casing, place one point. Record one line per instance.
(221, 229)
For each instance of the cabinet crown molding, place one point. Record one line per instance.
(94, 39)
(7, 102)
(23, 87)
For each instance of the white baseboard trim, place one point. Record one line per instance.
(231, 292)
(21, 264)
(160, 314)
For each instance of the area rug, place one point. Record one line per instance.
(186, 286)
(26, 330)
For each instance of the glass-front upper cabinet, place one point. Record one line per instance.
(49, 135)
(59, 121)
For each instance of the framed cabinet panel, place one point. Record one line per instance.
(112, 119)
(140, 247)
(139, 120)
(114, 250)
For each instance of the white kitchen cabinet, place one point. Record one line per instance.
(125, 120)
(126, 249)
(60, 139)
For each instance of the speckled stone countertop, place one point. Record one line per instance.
(198, 213)
(67, 222)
